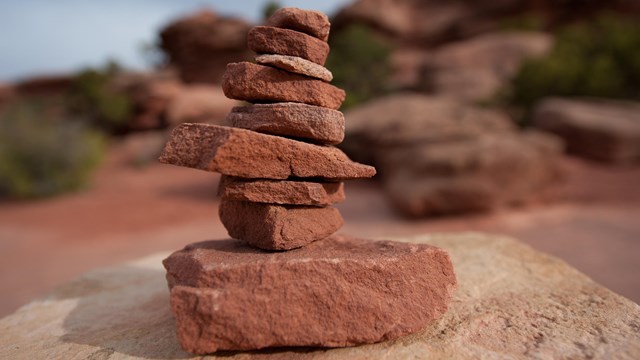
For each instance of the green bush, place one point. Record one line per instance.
(91, 96)
(599, 58)
(359, 63)
(41, 156)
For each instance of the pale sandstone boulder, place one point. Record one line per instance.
(511, 302)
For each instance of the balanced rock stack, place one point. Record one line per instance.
(289, 280)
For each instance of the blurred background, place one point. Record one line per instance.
(517, 117)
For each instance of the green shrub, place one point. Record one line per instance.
(270, 8)
(41, 156)
(599, 58)
(91, 96)
(359, 63)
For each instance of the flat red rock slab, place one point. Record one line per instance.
(278, 227)
(282, 192)
(337, 292)
(302, 121)
(273, 40)
(248, 154)
(310, 22)
(259, 83)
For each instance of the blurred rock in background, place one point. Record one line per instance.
(439, 155)
(599, 129)
(201, 45)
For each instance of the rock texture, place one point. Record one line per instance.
(296, 65)
(599, 129)
(511, 302)
(310, 22)
(278, 227)
(282, 192)
(247, 154)
(258, 83)
(273, 40)
(291, 119)
(201, 45)
(442, 156)
(326, 294)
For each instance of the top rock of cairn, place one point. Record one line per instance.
(281, 174)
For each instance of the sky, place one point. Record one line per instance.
(48, 37)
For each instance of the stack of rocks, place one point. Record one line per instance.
(281, 176)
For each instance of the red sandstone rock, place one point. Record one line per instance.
(282, 192)
(273, 40)
(291, 119)
(336, 292)
(277, 227)
(248, 154)
(258, 83)
(310, 22)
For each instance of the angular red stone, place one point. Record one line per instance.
(273, 40)
(248, 154)
(340, 291)
(259, 83)
(310, 22)
(302, 121)
(278, 227)
(282, 192)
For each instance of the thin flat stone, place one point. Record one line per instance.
(273, 40)
(259, 83)
(248, 154)
(278, 227)
(296, 120)
(282, 192)
(337, 292)
(310, 22)
(296, 65)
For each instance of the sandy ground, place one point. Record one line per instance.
(593, 223)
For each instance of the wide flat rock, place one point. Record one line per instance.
(336, 292)
(311, 22)
(281, 191)
(259, 83)
(278, 227)
(273, 40)
(296, 120)
(248, 154)
(511, 302)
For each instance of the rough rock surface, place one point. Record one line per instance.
(477, 69)
(278, 227)
(282, 192)
(247, 154)
(511, 302)
(296, 65)
(258, 83)
(273, 40)
(291, 119)
(599, 129)
(337, 292)
(310, 22)
(439, 155)
(201, 45)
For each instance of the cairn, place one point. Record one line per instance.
(282, 175)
